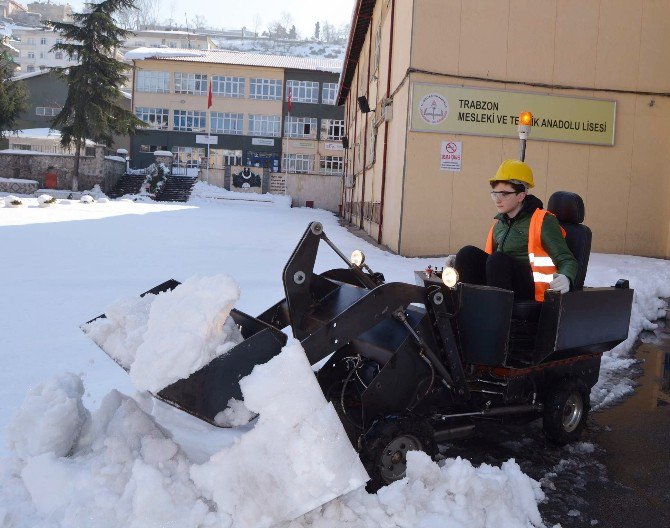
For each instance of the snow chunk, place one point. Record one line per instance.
(297, 457)
(234, 415)
(50, 419)
(163, 338)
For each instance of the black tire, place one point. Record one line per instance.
(385, 447)
(566, 409)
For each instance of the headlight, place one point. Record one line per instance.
(357, 258)
(450, 277)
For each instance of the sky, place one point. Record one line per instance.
(233, 14)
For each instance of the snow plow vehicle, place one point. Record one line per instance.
(409, 366)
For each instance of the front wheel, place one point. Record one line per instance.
(565, 412)
(385, 448)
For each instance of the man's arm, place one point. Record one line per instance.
(555, 245)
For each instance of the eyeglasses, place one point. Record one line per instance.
(501, 194)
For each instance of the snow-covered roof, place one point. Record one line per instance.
(21, 76)
(236, 58)
(40, 133)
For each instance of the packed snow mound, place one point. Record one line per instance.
(208, 192)
(163, 338)
(50, 419)
(296, 458)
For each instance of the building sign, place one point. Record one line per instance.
(334, 146)
(303, 144)
(451, 154)
(206, 140)
(482, 112)
(263, 141)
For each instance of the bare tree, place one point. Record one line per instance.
(144, 15)
(199, 22)
(286, 19)
(328, 32)
(257, 21)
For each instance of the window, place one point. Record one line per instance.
(172, 44)
(31, 42)
(21, 146)
(329, 94)
(189, 120)
(227, 123)
(188, 156)
(43, 41)
(155, 117)
(139, 43)
(49, 111)
(89, 151)
(264, 125)
(41, 54)
(298, 163)
(31, 54)
(153, 81)
(300, 127)
(228, 86)
(332, 129)
(30, 69)
(222, 157)
(190, 83)
(59, 41)
(303, 91)
(265, 89)
(152, 148)
(333, 165)
(58, 55)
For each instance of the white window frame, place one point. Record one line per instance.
(190, 83)
(264, 125)
(188, 157)
(332, 165)
(227, 123)
(43, 41)
(223, 157)
(303, 91)
(298, 163)
(31, 54)
(334, 129)
(156, 118)
(152, 81)
(189, 120)
(228, 86)
(268, 89)
(294, 127)
(329, 93)
(48, 111)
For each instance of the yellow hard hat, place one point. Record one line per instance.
(515, 171)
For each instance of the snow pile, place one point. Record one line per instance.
(166, 337)
(86, 199)
(12, 201)
(45, 200)
(205, 191)
(296, 458)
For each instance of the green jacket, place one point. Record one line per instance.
(510, 235)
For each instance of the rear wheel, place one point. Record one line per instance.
(565, 412)
(386, 445)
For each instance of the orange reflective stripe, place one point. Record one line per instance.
(540, 262)
(489, 239)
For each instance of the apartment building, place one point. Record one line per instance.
(267, 111)
(443, 82)
(35, 54)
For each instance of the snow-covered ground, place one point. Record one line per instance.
(284, 47)
(89, 449)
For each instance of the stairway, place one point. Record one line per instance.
(127, 184)
(176, 189)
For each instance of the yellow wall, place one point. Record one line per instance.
(579, 48)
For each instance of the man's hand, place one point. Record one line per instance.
(450, 261)
(560, 283)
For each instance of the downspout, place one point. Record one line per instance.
(132, 109)
(386, 128)
(365, 142)
(353, 165)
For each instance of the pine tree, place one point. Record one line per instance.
(317, 31)
(13, 96)
(92, 108)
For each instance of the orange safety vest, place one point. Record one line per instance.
(541, 265)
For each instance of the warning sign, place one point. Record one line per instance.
(450, 156)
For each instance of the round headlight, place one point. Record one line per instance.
(450, 277)
(357, 258)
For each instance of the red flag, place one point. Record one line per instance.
(209, 96)
(290, 100)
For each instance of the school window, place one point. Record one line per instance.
(219, 158)
(333, 128)
(227, 123)
(332, 165)
(300, 127)
(188, 157)
(298, 163)
(269, 89)
(153, 81)
(189, 120)
(49, 111)
(152, 148)
(155, 117)
(329, 93)
(303, 91)
(264, 125)
(228, 86)
(190, 83)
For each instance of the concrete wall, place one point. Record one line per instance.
(614, 50)
(324, 191)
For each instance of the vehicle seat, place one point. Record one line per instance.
(569, 209)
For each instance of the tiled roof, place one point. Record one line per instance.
(242, 59)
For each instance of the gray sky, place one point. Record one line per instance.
(233, 14)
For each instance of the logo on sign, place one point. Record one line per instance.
(433, 109)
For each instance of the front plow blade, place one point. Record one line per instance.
(206, 392)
